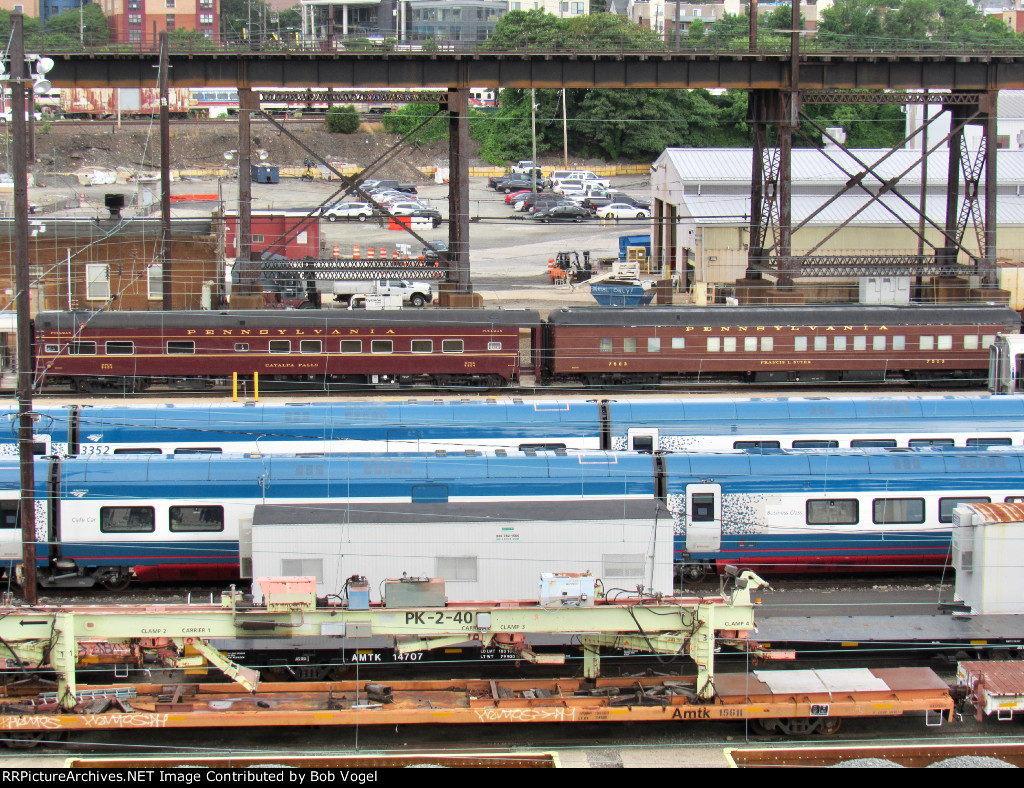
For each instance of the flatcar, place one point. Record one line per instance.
(325, 349)
(107, 519)
(514, 424)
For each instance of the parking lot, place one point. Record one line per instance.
(508, 251)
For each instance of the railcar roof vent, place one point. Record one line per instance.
(561, 452)
(472, 453)
(500, 453)
(530, 452)
(440, 453)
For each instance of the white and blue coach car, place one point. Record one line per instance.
(107, 519)
(821, 511)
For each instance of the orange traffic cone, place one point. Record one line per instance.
(355, 252)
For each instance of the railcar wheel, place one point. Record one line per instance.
(762, 727)
(83, 386)
(115, 582)
(694, 573)
(25, 740)
(830, 726)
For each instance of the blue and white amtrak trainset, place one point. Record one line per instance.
(690, 424)
(103, 519)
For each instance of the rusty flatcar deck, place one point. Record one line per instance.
(893, 692)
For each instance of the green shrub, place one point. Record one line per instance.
(343, 120)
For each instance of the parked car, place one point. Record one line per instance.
(424, 213)
(348, 210)
(513, 197)
(562, 213)
(617, 196)
(497, 180)
(620, 210)
(517, 184)
(543, 202)
(430, 253)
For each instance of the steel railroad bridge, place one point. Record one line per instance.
(779, 82)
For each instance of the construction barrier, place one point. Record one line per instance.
(355, 252)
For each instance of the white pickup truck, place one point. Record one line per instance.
(526, 168)
(355, 292)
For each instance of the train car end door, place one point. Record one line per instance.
(644, 441)
(703, 518)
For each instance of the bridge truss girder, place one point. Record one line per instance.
(771, 228)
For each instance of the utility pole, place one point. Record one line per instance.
(19, 171)
(165, 174)
(533, 136)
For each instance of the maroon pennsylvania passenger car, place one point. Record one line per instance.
(132, 350)
(846, 343)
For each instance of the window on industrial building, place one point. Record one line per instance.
(422, 346)
(311, 346)
(623, 565)
(127, 519)
(197, 518)
(134, 19)
(135, 36)
(181, 347)
(82, 348)
(169, 21)
(97, 281)
(120, 348)
(280, 346)
(456, 569)
(155, 281)
(303, 567)
(452, 346)
(947, 505)
(381, 346)
(351, 346)
(833, 511)
(800, 344)
(207, 19)
(897, 511)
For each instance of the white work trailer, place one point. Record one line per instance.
(479, 550)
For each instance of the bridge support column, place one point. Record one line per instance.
(458, 189)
